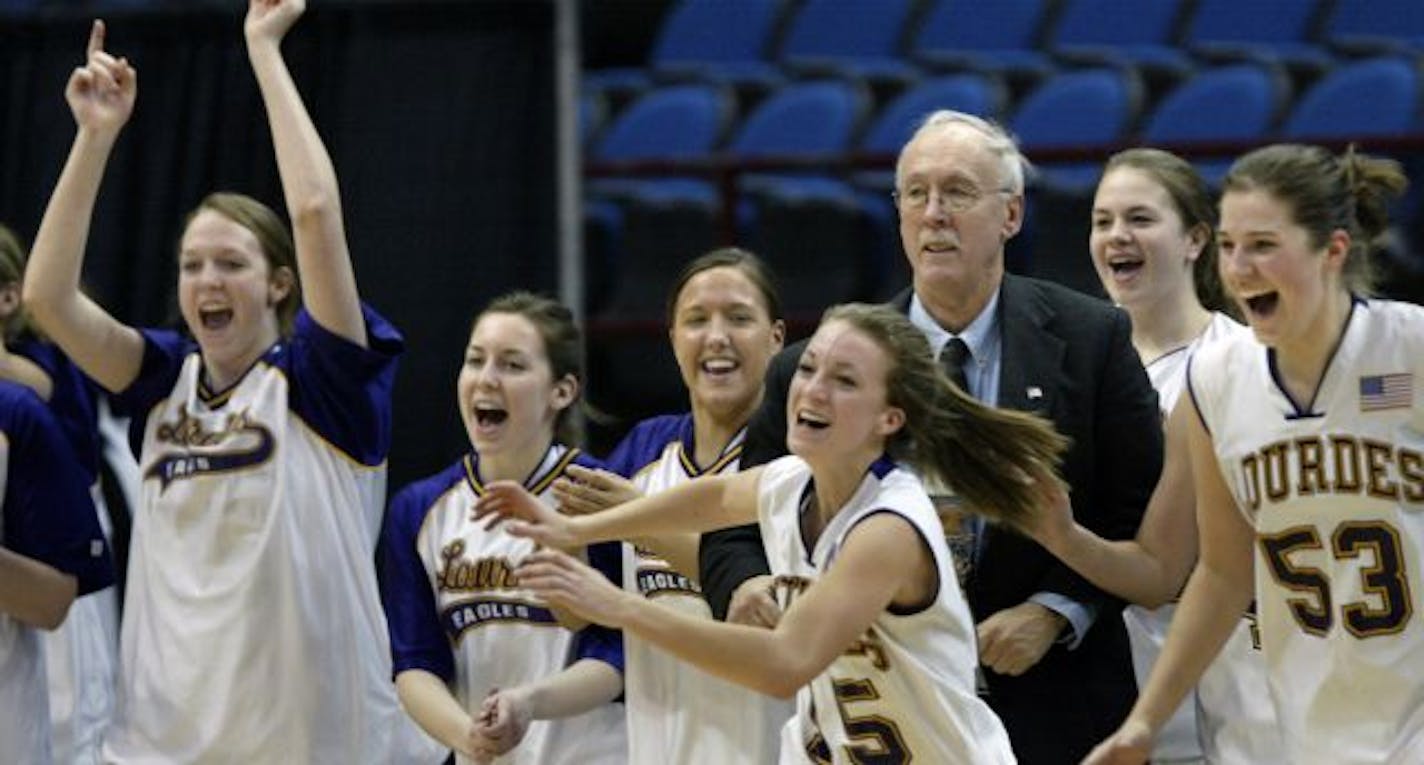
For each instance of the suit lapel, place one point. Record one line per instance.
(1031, 368)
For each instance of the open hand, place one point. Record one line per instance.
(1050, 522)
(101, 93)
(523, 515)
(567, 582)
(586, 490)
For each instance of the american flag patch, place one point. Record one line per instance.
(1394, 391)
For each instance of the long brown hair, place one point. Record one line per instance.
(983, 453)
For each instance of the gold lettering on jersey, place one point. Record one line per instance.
(1411, 471)
(1273, 464)
(871, 647)
(786, 588)
(460, 574)
(236, 444)
(1335, 464)
(1312, 471)
(1347, 464)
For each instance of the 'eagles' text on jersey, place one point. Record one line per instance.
(455, 610)
(677, 712)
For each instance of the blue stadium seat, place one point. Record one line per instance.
(1000, 36)
(1135, 32)
(859, 38)
(677, 122)
(1087, 107)
(1230, 103)
(1277, 31)
(706, 40)
(1373, 97)
(812, 118)
(1376, 26)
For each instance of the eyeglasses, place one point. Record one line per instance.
(956, 198)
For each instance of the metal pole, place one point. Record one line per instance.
(569, 155)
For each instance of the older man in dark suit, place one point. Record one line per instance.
(1052, 647)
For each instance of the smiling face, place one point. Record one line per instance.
(1280, 279)
(1141, 250)
(836, 408)
(227, 293)
(509, 400)
(955, 255)
(723, 338)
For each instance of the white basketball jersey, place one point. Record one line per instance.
(904, 691)
(1335, 490)
(252, 630)
(1225, 720)
(456, 612)
(678, 713)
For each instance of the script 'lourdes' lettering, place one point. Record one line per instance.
(236, 444)
(461, 574)
(478, 586)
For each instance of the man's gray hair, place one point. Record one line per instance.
(1014, 165)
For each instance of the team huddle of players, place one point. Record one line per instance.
(535, 604)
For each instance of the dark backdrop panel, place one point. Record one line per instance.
(439, 118)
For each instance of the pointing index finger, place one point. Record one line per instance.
(96, 38)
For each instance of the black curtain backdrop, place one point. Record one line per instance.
(439, 118)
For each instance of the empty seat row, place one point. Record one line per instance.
(763, 41)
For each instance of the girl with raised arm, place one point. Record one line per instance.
(252, 629)
(876, 641)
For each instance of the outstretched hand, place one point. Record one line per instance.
(101, 93)
(523, 515)
(1051, 520)
(586, 490)
(269, 20)
(566, 582)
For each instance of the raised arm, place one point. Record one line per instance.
(101, 96)
(1150, 569)
(713, 502)
(308, 177)
(1219, 591)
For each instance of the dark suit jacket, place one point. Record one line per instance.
(1070, 358)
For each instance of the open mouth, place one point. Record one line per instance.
(719, 367)
(812, 421)
(489, 416)
(215, 318)
(1262, 305)
(1124, 267)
